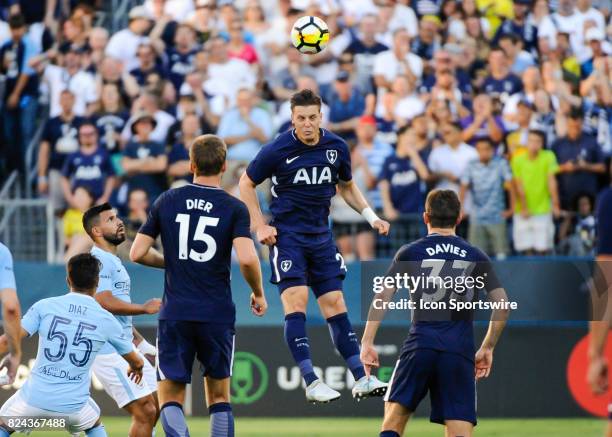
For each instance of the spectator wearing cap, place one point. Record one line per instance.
(245, 128)
(402, 178)
(71, 76)
(59, 140)
(397, 61)
(521, 26)
(595, 39)
(483, 123)
(486, 179)
(373, 153)
(123, 45)
(589, 16)
(518, 59)
(89, 167)
(149, 103)
(537, 197)
(427, 42)
(500, 83)
(144, 161)
(580, 161)
(346, 104)
(516, 140)
(20, 93)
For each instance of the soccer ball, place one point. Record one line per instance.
(310, 34)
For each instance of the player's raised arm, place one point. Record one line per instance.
(248, 194)
(353, 196)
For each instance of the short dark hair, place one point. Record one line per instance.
(91, 217)
(83, 272)
(486, 140)
(16, 21)
(208, 154)
(539, 133)
(443, 208)
(576, 113)
(305, 98)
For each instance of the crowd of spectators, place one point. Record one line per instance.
(507, 102)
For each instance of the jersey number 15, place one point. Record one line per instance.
(199, 235)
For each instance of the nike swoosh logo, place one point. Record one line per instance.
(300, 339)
(289, 161)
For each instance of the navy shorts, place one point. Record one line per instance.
(307, 259)
(448, 377)
(180, 342)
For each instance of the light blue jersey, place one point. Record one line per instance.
(7, 277)
(114, 278)
(72, 329)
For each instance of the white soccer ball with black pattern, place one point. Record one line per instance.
(310, 34)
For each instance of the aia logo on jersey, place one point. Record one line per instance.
(332, 155)
(286, 265)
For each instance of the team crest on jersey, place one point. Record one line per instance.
(332, 155)
(286, 265)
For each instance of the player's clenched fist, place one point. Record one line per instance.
(381, 226)
(152, 306)
(259, 305)
(266, 234)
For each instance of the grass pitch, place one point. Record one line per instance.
(360, 427)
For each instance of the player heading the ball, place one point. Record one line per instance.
(305, 165)
(199, 224)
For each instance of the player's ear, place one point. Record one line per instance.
(68, 282)
(224, 167)
(192, 168)
(425, 218)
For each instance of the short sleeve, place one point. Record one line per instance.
(505, 171)
(467, 175)
(385, 171)
(7, 275)
(263, 166)
(152, 226)
(116, 338)
(553, 166)
(31, 320)
(47, 136)
(242, 222)
(130, 151)
(344, 172)
(380, 64)
(105, 283)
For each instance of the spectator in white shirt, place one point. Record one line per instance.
(71, 76)
(226, 75)
(398, 61)
(123, 45)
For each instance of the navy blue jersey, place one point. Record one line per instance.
(303, 177)
(198, 225)
(179, 65)
(502, 88)
(442, 257)
(62, 137)
(89, 171)
(604, 222)
(110, 125)
(405, 186)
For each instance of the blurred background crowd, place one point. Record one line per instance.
(507, 102)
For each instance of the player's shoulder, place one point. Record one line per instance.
(329, 138)
(105, 258)
(284, 140)
(4, 252)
